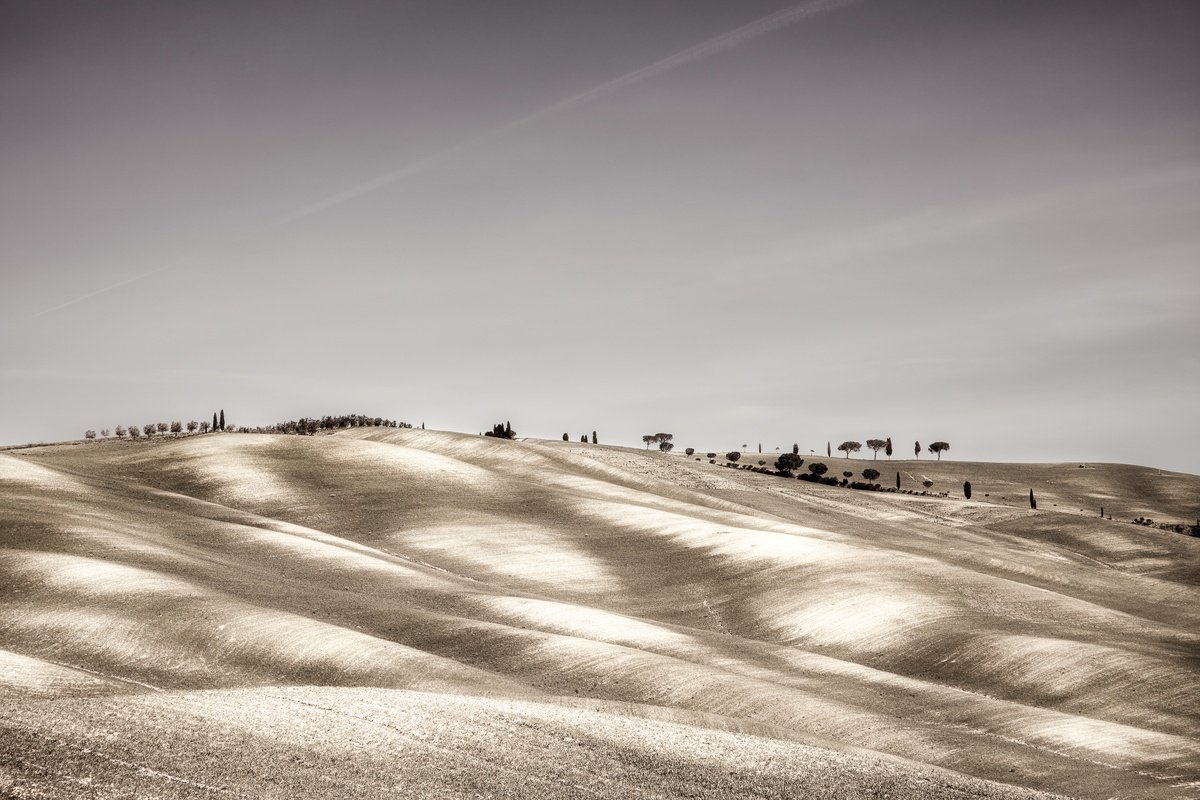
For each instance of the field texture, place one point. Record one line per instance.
(381, 613)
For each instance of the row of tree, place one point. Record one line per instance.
(885, 445)
(161, 428)
(303, 426)
(583, 438)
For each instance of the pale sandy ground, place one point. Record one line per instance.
(413, 613)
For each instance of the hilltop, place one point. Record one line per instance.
(382, 610)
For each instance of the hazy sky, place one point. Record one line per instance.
(931, 219)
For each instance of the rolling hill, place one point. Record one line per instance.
(379, 611)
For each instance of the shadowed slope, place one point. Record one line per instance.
(980, 639)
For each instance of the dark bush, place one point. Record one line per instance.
(732, 455)
(690, 450)
(817, 468)
(870, 474)
(927, 483)
(710, 455)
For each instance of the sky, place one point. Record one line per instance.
(975, 221)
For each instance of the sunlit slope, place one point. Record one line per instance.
(1051, 650)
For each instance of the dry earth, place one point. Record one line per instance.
(384, 612)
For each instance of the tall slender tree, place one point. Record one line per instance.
(594, 437)
(917, 450)
(795, 449)
(967, 489)
(1032, 500)
(897, 480)
(828, 450)
(222, 419)
(888, 449)
(214, 425)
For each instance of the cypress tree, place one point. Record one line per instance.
(828, 450)
(795, 449)
(760, 447)
(214, 427)
(583, 438)
(888, 449)
(593, 437)
(565, 438)
(1032, 500)
(897, 480)
(222, 419)
(508, 430)
(1102, 512)
(967, 489)
(917, 449)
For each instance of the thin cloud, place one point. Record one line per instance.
(697, 52)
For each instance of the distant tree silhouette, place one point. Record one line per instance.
(828, 451)
(817, 468)
(214, 422)
(134, 432)
(583, 438)
(733, 455)
(502, 430)
(89, 434)
(594, 438)
(566, 438)
(850, 447)
(795, 449)
(788, 463)
(666, 447)
(689, 451)
(222, 419)
(876, 445)
(927, 483)
(192, 425)
(967, 489)
(162, 427)
(760, 447)
(1032, 500)
(648, 438)
(119, 431)
(176, 427)
(871, 474)
(917, 450)
(847, 474)
(897, 480)
(888, 449)
(149, 428)
(938, 447)
(204, 427)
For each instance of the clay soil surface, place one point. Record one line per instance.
(409, 613)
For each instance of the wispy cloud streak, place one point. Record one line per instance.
(697, 52)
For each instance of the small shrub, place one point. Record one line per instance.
(712, 461)
(89, 434)
(733, 455)
(817, 468)
(870, 474)
(690, 450)
(847, 474)
(926, 483)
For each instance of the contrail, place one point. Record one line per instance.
(725, 41)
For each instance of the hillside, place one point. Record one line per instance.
(387, 611)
